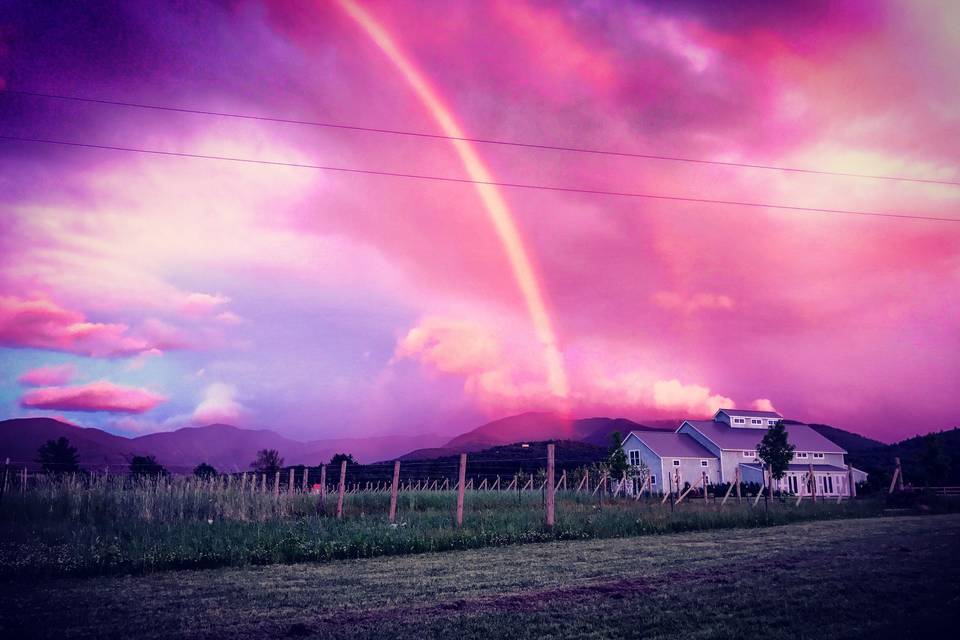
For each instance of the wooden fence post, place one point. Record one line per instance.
(6, 472)
(343, 485)
(393, 491)
(306, 482)
(689, 489)
(726, 495)
(813, 485)
(583, 480)
(551, 487)
(291, 485)
(643, 485)
(460, 488)
(736, 478)
(599, 486)
(763, 485)
(276, 484)
(851, 485)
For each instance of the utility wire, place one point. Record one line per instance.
(512, 185)
(490, 141)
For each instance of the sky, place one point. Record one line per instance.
(144, 292)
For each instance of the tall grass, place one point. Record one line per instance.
(102, 525)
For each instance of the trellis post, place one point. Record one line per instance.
(550, 485)
(393, 491)
(343, 486)
(461, 486)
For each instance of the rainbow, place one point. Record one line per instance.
(497, 209)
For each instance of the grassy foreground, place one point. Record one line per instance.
(858, 578)
(63, 528)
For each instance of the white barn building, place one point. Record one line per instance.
(726, 447)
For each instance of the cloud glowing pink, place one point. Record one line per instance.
(96, 396)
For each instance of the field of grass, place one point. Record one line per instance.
(892, 577)
(78, 528)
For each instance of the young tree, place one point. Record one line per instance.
(617, 458)
(268, 461)
(340, 457)
(204, 470)
(146, 466)
(58, 456)
(775, 450)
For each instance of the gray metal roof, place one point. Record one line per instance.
(670, 444)
(726, 437)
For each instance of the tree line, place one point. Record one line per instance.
(59, 457)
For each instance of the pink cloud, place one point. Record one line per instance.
(502, 378)
(49, 376)
(219, 405)
(96, 396)
(688, 399)
(451, 346)
(42, 324)
(202, 304)
(762, 404)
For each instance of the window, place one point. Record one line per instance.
(739, 421)
(676, 463)
(800, 455)
(653, 479)
(818, 456)
(771, 422)
(635, 458)
(750, 454)
(756, 421)
(703, 463)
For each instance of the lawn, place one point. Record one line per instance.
(80, 529)
(892, 577)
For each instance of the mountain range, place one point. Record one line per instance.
(229, 448)
(226, 447)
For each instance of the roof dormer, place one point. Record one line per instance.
(745, 419)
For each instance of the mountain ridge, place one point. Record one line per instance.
(226, 447)
(230, 449)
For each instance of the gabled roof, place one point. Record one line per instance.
(670, 444)
(748, 413)
(731, 438)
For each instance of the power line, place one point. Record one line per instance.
(511, 185)
(490, 141)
